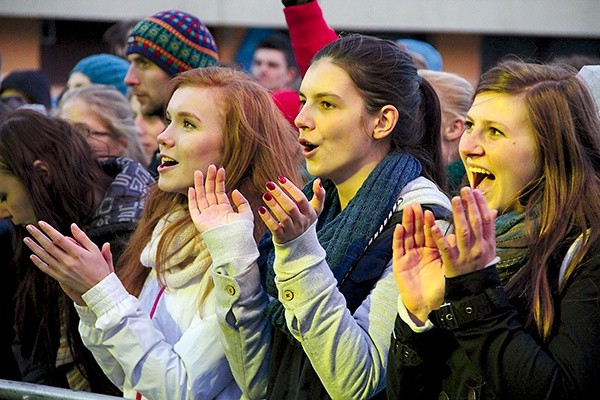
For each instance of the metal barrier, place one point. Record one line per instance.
(11, 390)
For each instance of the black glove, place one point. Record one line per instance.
(288, 3)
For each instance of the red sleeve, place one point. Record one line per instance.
(309, 31)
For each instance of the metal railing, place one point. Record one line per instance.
(11, 390)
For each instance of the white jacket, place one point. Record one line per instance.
(175, 355)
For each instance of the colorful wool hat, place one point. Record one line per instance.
(105, 69)
(175, 41)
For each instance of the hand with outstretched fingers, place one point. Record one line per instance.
(208, 202)
(291, 214)
(76, 263)
(417, 264)
(473, 244)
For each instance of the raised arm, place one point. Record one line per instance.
(308, 30)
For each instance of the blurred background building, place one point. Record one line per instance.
(471, 35)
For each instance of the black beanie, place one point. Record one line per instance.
(33, 84)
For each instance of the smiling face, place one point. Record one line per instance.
(15, 201)
(193, 138)
(336, 132)
(499, 149)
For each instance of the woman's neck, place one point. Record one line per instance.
(348, 188)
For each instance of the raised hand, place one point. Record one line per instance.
(208, 202)
(473, 245)
(76, 263)
(417, 264)
(291, 214)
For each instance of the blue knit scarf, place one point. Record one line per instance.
(345, 234)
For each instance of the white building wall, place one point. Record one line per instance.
(577, 18)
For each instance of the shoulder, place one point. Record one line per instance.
(425, 192)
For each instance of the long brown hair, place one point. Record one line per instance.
(67, 191)
(383, 74)
(259, 146)
(563, 203)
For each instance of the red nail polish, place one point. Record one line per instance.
(267, 196)
(282, 179)
(271, 186)
(262, 210)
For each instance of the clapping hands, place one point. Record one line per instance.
(423, 257)
(289, 212)
(76, 263)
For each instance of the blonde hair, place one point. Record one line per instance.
(113, 109)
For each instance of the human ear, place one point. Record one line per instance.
(385, 122)
(455, 130)
(41, 167)
(292, 74)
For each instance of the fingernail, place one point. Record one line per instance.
(282, 179)
(320, 183)
(267, 196)
(262, 210)
(271, 186)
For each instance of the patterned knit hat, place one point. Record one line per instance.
(175, 41)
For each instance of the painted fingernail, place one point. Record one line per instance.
(267, 196)
(282, 179)
(271, 186)
(262, 210)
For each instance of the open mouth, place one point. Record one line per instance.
(480, 175)
(167, 162)
(308, 146)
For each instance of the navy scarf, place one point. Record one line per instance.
(345, 234)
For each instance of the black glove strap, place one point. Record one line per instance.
(452, 315)
(289, 3)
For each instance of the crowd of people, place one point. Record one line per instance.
(344, 220)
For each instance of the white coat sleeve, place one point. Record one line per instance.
(241, 301)
(348, 352)
(124, 336)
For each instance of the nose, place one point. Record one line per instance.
(4, 214)
(304, 119)
(165, 138)
(470, 144)
(131, 78)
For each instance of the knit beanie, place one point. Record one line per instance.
(432, 57)
(175, 41)
(105, 69)
(32, 83)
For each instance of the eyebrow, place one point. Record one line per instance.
(488, 122)
(321, 95)
(184, 114)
